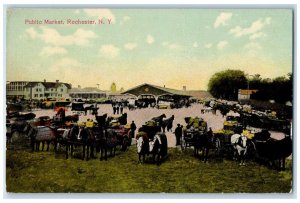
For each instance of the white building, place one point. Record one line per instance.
(38, 90)
(245, 94)
(16, 89)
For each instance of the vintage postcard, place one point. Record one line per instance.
(149, 100)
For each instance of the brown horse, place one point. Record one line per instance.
(80, 136)
(41, 134)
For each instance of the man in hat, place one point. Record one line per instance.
(178, 134)
(132, 129)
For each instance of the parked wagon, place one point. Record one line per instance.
(195, 126)
(123, 135)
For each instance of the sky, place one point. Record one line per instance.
(165, 47)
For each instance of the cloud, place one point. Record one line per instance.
(65, 64)
(101, 13)
(252, 49)
(171, 45)
(49, 51)
(208, 45)
(254, 27)
(130, 46)
(195, 44)
(150, 39)
(51, 36)
(257, 35)
(222, 44)
(222, 19)
(109, 51)
(253, 45)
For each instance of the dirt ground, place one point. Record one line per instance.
(140, 116)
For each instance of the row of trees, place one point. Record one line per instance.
(225, 85)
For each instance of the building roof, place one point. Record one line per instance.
(32, 84)
(87, 90)
(247, 92)
(155, 90)
(199, 94)
(48, 84)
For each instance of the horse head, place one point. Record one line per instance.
(30, 130)
(242, 141)
(154, 143)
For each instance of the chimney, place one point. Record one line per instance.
(57, 81)
(184, 88)
(79, 86)
(44, 80)
(164, 86)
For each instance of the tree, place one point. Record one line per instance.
(279, 89)
(225, 84)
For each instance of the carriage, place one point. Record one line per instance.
(123, 135)
(194, 126)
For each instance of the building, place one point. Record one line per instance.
(156, 92)
(199, 94)
(38, 90)
(87, 93)
(16, 89)
(245, 94)
(113, 87)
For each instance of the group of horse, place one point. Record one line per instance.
(151, 140)
(261, 148)
(99, 138)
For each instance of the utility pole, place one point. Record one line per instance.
(248, 82)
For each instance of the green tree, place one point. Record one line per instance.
(225, 84)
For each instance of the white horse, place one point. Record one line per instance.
(239, 143)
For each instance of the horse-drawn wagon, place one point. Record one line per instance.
(195, 126)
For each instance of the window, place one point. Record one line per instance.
(41, 95)
(36, 95)
(61, 89)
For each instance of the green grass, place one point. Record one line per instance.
(41, 172)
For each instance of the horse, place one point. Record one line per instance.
(204, 141)
(16, 132)
(121, 119)
(271, 151)
(72, 118)
(167, 123)
(159, 119)
(107, 141)
(158, 147)
(142, 145)
(122, 136)
(101, 120)
(41, 134)
(239, 143)
(80, 136)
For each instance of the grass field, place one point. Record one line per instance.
(47, 172)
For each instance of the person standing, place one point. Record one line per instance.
(132, 129)
(117, 108)
(121, 109)
(114, 109)
(178, 134)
